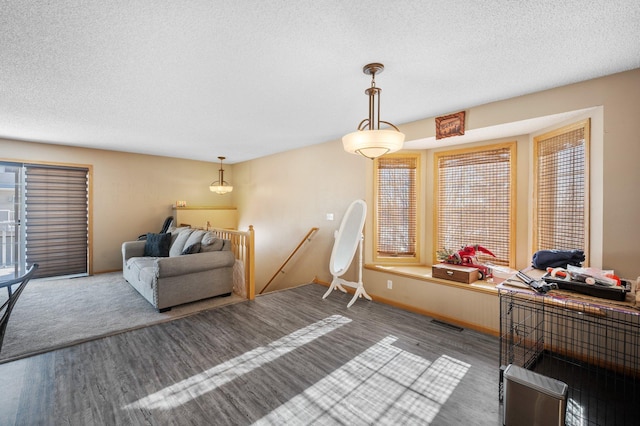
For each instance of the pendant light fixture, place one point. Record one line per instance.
(220, 186)
(369, 140)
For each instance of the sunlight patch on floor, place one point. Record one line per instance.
(383, 385)
(575, 413)
(207, 381)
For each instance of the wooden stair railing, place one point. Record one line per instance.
(243, 248)
(307, 238)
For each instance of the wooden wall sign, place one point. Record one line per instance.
(450, 125)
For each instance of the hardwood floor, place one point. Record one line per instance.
(288, 357)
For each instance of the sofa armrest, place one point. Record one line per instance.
(191, 263)
(132, 249)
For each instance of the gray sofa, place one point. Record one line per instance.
(185, 266)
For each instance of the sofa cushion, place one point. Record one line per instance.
(180, 243)
(157, 245)
(208, 238)
(175, 232)
(211, 243)
(195, 237)
(193, 248)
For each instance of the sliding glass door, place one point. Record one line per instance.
(44, 219)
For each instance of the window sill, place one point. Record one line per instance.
(423, 273)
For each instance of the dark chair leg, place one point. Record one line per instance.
(7, 306)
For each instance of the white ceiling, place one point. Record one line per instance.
(244, 79)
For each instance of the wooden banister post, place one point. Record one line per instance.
(251, 281)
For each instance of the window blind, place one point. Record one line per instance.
(56, 219)
(474, 201)
(560, 190)
(396, 206)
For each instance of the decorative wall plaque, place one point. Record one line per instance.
(450, 125)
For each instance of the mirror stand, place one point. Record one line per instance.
(338, 283)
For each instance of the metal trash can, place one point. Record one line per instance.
(533, 399)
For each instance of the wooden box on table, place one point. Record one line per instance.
(459, 273)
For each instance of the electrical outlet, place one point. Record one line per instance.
(389, 284)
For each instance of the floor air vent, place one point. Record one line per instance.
(447, 325)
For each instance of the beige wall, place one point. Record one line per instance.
(132, 193)
(286, 194)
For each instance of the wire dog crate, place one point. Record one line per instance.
(594, 348)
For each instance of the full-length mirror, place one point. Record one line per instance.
(348, 240)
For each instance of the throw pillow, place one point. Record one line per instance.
(208, 238)
(157, 245)
(211, 242)
(175, 232)
(195, 237)
(179, 244)
(193, 248)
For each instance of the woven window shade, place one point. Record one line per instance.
(474, 202)
(560, 192)
(396, 206)
(56, 219)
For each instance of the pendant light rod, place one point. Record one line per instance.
(372, 70)
(221, 172)
(220, 186)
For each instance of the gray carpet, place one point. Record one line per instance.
(52, 314)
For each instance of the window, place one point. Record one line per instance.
(474, 193)
(561, 189)
(396, 199)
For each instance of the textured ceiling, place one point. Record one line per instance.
(245, 79)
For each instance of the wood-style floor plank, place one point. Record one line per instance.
(198, 368)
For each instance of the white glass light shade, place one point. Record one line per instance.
(220, 189)
(373, 143)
